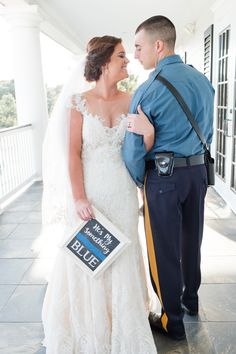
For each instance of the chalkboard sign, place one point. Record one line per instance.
(95, 244)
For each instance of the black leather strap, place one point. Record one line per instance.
(180, 162)
(185, 108)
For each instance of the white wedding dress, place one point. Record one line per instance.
(108, 315)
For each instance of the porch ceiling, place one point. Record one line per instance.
(79, 20)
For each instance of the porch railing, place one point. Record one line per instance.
(16, 160)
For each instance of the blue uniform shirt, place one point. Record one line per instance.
(173, 131)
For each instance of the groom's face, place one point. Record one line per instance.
(145, 50)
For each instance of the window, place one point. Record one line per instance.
(233, 166)
(208, 52)
(222, 102)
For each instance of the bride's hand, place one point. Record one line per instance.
(140, 124)
(84, 209)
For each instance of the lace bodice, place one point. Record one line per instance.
(100, 142)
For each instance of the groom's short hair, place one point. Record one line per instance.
(159, 27)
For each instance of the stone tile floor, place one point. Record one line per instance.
(24, 271)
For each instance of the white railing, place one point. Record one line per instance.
(16, 160)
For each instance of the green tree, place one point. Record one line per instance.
(52, 94)
(8, 116)
(129, 85)
(7, 86)
(7, 111)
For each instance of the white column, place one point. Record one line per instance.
(27, 65)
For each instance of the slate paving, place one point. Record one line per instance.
(24, 273)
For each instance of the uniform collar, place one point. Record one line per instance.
(171, 59)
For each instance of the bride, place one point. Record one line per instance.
(82, 168)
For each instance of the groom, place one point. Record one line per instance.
(174, 201)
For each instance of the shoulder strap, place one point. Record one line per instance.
(184, 107)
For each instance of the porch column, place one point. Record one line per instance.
(28, 76)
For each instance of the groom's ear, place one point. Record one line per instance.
(159, 45)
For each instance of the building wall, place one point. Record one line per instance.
(193, 43)
(222, 16)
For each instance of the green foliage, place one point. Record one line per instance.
(8, 117)
(7, 87)
(7, 104)
(52, 94)
(129, 85)
(7, 111)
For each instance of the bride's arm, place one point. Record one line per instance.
(140, 124)
(83, 206)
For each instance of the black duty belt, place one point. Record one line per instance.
(180, 162)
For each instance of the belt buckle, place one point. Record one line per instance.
(164, 162)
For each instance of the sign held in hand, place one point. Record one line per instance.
(95, 244)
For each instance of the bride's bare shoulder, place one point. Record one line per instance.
(87, 93)
(126, 96)
(126, 100)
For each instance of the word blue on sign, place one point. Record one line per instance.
(90, 246)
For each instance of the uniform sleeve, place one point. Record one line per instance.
(134, 151)
(210, 136)
(210, 114)
(134, 157)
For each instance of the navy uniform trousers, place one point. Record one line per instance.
(174, 216)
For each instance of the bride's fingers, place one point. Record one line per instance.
(84, 209)
(81, 215)
(90, 210)
(86, 213)
(133, 124)
(140, 124)
(130, 123)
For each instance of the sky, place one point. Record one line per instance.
(56, 60)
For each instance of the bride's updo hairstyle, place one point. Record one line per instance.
(100, 50)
